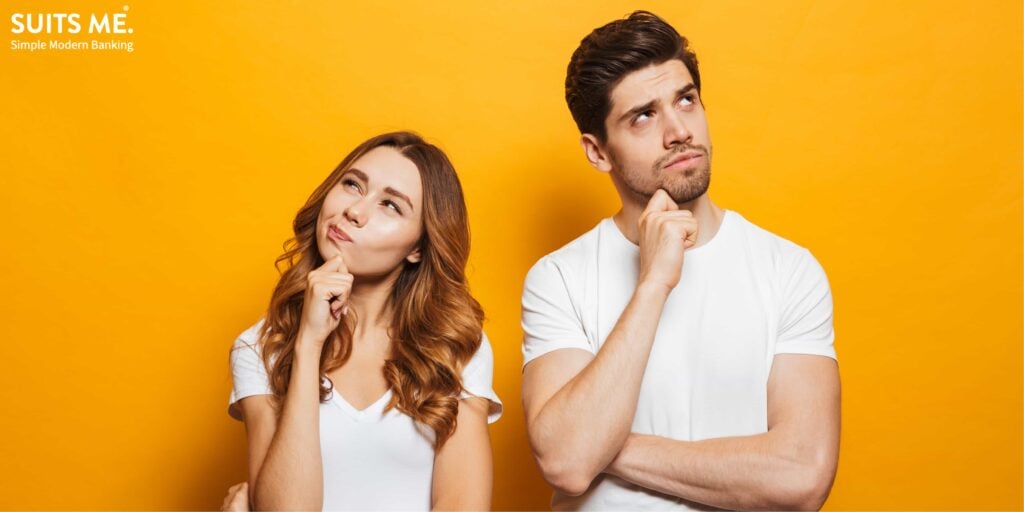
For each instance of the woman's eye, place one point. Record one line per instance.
(351, 184)
(391, 204)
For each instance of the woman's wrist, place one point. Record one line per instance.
(308, 344)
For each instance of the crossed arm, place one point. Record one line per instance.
(789, 467)
(580, 407)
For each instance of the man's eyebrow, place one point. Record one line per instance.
(653, 103)
(400, 195)
(639, 109)
(686, 88)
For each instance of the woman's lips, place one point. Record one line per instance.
(337, 234)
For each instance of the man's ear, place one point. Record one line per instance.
(415, 256)
(595, 153)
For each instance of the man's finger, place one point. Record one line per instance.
(660, 202)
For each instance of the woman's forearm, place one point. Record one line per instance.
(291, 477)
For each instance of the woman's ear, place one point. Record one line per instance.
(415, 256)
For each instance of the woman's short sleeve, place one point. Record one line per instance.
(478, 379)
(248, 374)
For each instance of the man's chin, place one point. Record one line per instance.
(686, 190)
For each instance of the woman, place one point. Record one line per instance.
(368, 384)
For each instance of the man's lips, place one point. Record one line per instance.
(683, 160)
(337, 234)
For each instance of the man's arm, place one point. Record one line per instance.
(580, 407)
(791, 466)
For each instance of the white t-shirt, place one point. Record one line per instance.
(371, 459)
(743, 297)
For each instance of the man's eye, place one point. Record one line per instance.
(687, 100)
(643, 116)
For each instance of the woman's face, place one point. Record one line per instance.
(373, 215)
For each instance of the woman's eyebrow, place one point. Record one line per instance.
(399, 195)
(390, 190)
(359, 174)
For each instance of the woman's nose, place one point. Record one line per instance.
(355, 214)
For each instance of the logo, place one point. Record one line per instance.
(106, 31)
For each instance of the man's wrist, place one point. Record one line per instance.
(652, 290)
(615, 467)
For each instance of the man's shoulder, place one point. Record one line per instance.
(576, 252)
(763, 240)
(568, 259)
(783, 256)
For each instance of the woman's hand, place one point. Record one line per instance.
(327, 292)
(237, 499)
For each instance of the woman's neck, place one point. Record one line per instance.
(369, 302)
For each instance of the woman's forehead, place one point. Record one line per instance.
(385, 167)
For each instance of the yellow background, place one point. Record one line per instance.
(144, 196)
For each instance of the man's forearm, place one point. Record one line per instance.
(764, 471)
(582, 427)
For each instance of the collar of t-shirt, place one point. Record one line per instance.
(622, 243)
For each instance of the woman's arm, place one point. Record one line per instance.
(290, 476)
(260, 424)
(462, 467)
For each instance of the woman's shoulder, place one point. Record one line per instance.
(250, 338)
(484, 354)
(478, 378)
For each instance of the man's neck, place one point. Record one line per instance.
(708, 214)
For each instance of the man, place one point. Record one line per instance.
(676, 355)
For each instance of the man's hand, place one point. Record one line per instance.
(665, 232)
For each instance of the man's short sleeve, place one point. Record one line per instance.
(805, 326)
(550, 321)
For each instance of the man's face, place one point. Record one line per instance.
(658, 134)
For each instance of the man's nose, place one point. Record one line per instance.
(676, 130)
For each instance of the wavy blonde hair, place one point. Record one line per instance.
(436, 325)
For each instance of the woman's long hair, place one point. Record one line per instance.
(436, 325)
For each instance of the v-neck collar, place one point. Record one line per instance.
(372, 411)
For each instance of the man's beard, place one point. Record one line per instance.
(682, 186)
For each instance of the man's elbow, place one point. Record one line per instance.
(566, 478)
(810, 490)
(819, 488)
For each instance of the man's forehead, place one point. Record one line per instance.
(648, 84)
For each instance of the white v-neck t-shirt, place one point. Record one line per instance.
(372, 460)
(743, 297)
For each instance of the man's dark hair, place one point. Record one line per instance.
(611, 52)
